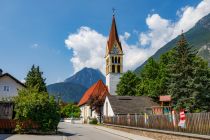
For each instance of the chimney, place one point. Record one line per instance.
(1, 71)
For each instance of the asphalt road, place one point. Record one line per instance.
(78, 132)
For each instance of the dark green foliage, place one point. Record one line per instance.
(127, 84)
(39, 107)
(153, 77)
(188, 80)
(200, 85)
(181, 74)
(34, 79)
(70, 110)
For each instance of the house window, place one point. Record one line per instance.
(6, 88)
(113, 68)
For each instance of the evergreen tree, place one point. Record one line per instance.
(34, 79)
(127, 84)
(200, 85)
(180, 75)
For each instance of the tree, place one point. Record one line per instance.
(188, 80)
(200, 85)
(127, 84)
(30, 104)
(151, 80)
(34, 79)
(70, 110)
(96, 103)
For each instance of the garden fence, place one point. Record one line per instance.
(198, 123)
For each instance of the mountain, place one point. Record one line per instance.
(73, 88)
(68, 92)
(198, 36)
(86, 77)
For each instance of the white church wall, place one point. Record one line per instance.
(107, 109)
(112, 79)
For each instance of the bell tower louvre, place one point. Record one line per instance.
(114, 59)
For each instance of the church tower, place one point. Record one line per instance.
(114, 59)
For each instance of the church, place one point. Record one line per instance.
(114, 69)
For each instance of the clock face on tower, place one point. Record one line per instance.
(115, 50)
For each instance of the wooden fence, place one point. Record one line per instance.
(198, 123)
(7, 124)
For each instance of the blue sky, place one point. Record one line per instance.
(34, 32)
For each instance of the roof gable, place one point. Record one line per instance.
(13, 78)
(99, 88)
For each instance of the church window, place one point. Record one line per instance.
(118, 68)
(118, 59)
(115, 59)
(112, 59)
(113, 68)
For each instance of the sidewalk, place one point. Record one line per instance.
(122, 133)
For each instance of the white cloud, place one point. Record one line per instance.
(35, 46)
(89, 46)
(161, 30)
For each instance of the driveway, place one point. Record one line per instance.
(78, 132)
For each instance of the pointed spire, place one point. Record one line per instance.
(113, 35)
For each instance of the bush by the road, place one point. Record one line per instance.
(39, 107)
(93, 121)
(70, 110)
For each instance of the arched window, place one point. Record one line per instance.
(113, 68)
(118, 68)
(115, 59)
(119, 60)
(112, 59)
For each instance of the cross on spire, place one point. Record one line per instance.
(113, 11)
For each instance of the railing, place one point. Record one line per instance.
(198, 123)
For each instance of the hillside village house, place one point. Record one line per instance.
(9, 87)
(97, 89)
(123, 105)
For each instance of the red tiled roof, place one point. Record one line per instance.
(113, 36)
(99, 88)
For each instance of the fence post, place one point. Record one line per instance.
(129, 119)
(136, 119)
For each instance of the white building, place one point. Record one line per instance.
(9, 86)
(98, 90)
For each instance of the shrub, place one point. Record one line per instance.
(70, 110)
(93, 121)
(38, 107)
